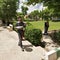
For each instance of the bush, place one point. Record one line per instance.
(56, 36)
(34, 36)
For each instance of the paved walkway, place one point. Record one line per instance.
(9, 49)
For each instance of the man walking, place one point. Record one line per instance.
(20, 25)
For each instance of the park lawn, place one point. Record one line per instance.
(40, 25)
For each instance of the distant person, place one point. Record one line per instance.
(4, 22)
(0, 22)
(8, 23)
(20, 29)
(46, 26)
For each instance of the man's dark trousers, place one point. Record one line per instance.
(20, 40)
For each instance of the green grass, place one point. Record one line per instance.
(40, 25)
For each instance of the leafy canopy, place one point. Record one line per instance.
(52, 4)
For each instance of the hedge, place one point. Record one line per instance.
(34, 36)
(56, 36)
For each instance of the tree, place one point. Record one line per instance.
(8, 10)
(52, 4)
(24, 10)
(34, 15)
(19, 14)
(47, 13)
(29, 2)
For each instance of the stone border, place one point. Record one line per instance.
(53, 55)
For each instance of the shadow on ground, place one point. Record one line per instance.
(28, 48)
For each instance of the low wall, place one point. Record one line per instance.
(53, 55)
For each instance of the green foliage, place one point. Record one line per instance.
(33, 2)
(52, 4)
(29, 25)
(56, 36)
(44, 14)
(34, 36)
(35, 15)
(24, 10)
(8, 9)
(47, 13)
(19, 14)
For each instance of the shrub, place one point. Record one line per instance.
(56, 36)
(34, 36)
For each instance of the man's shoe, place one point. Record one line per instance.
(18, 44)
(22, 49)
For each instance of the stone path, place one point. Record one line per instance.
(9, 49)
